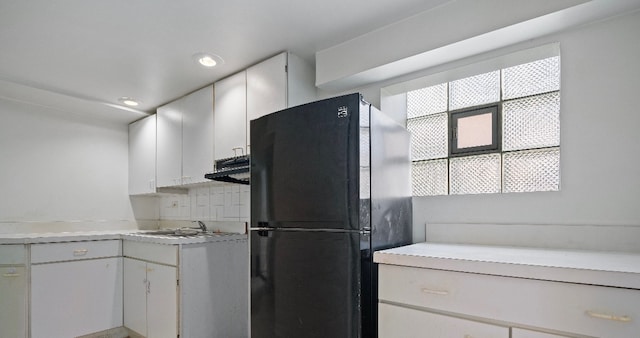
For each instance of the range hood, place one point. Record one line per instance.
(231, 170)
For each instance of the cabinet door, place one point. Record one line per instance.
(230, 119)
(142, 156)
(162, 301)
(169, 144)
(135, 295)
(197, 136)
(13, 301)
(76, 298)
(396, 321)
(266, 88)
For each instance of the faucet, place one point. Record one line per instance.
(203, 227)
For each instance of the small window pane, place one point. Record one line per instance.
(532, 122)
(427, 101)
(429, 137)
(475, 174)
(532, 170)
(429, 178)
(475, 90)
(531, 78)
(475, 131)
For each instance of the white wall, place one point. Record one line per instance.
(600, 152)
(60, 171)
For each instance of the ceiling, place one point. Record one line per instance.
(82, 55)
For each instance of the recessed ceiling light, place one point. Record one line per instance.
(207, 60)
(129, 101)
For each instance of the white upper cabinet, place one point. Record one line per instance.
(185, 139)
(197, 136)
(267, 87)
(169, 151)
(142, 156)
(277, 83)
(274, 84)
(230, 116)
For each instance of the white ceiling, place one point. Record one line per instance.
(82, 55)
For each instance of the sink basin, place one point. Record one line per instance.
(174, 232)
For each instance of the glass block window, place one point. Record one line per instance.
(475, 174)
(527, 97)
(531, 122)
(364, 147)
(474, 91)
(429, 136)
(430, 177)
(531, 78)
(365, 183)
(531, 170)
(427, 101)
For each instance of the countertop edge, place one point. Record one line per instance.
(41, 238)
(458, 258)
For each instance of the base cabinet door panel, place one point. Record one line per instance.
(13, 319)
(71, 299)
(135, 295)
(396, 321)
(150, 299)
(162, 305)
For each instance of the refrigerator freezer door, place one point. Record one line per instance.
(305, 284)
(305, 164)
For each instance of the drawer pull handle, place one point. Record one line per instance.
(10, 275)
(435, 292)
(80, 252)
(624, 319)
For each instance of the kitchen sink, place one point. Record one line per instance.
(180, 232)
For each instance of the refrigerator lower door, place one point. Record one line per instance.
(305, 284)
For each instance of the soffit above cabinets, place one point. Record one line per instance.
(81, 56)
(450, 32)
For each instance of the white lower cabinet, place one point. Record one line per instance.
(398, 321)
(546, 308)
(150, 298)
(188, 290)
(13, 291)
(77, 290)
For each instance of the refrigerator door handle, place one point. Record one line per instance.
(263, 232)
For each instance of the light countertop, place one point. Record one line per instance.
(585, 267)
(134, 235)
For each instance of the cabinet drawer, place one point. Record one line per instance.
(69, 251)
(12, 254)
(159, 253)
(566, 307)
(397, 321)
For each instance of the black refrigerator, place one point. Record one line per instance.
(330, 184)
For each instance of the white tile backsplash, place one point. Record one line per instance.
(220, 202)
